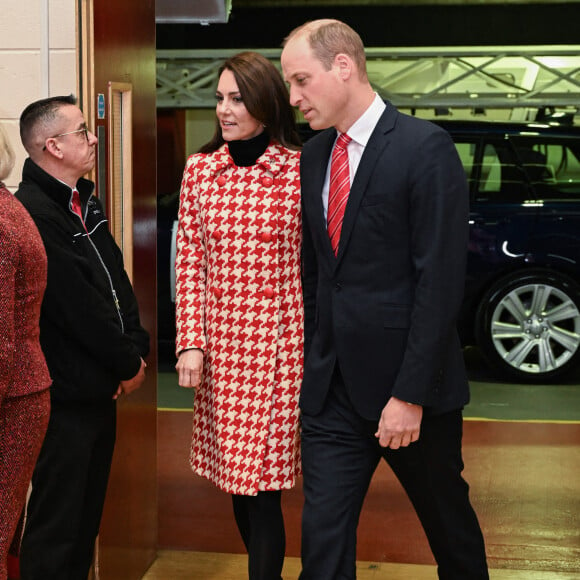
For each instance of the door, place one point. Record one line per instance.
(118, 90)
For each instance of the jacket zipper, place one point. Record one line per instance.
(113, 291)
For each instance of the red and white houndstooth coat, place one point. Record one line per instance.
(239, 299)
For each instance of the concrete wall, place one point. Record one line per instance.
(38, 59)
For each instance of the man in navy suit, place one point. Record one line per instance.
(384, 374)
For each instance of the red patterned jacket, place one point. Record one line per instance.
(22, 283)
(239, 299)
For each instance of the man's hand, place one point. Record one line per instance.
(400, 424)
(189, 368)
(133, 384)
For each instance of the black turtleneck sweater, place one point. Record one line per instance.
(245, 153)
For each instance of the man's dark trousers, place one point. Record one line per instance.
(339, 456)
(72, 472)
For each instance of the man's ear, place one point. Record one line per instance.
(344, 65)
(51, 146)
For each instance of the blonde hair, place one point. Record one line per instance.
(327, 38)
(6, 155)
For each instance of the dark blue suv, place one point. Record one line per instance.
(522, 295)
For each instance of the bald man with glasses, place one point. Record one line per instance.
(91, 336)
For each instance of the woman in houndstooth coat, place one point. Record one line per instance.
(239, 303)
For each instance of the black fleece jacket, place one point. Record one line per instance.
(89, 325)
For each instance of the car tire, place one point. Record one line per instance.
(528, 325)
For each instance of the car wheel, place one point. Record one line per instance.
(528, 325)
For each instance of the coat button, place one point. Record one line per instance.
(267, 181)
(216, 235)
(217, 292)
(268, 292)
(266, 237)
(221, 180)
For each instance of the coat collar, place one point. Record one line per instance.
(55, 189)
(273, 159)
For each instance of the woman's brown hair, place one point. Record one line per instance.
(265, 97)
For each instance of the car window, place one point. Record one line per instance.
(553, 166)
(490, 178)
(492, 170)
(466, 152)
(501, 179)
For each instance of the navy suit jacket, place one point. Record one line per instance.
(385, 307)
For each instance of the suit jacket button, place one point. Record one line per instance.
(266, 237)
(221, 180)
(268, 292)
(218, 293)
(267, 181)
(216, 235)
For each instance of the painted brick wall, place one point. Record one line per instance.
(37, 59)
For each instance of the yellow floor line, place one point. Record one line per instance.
(489, 420)
(481, 419)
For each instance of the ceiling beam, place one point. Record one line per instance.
(427, 77)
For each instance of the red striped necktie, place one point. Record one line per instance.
(338, 190)
(76, 206)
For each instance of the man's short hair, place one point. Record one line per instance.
(40, 114)
(328, 37)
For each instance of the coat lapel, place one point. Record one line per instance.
(378, 141)
(313, 171)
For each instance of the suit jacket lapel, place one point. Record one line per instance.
(376, 144)
(315, 170)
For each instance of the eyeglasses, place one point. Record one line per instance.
(83, 129)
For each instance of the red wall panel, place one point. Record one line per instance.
(124, 51)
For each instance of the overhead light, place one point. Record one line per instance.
(202, 12)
